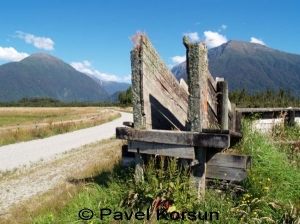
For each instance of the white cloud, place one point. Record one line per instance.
(127, 78)
(214, 39)
(39, 42)
(87, 68)
(223, 27)
(178, 59)
(192, 36)
(257, 41)
(11, 54)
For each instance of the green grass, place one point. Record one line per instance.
(270, 193)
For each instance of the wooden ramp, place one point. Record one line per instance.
(193, 123)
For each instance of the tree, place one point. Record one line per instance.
(125, 98)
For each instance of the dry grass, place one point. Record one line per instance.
(122, 109)
(18, 116)
(23, 124)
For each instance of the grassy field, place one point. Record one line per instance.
(22, 124)
(270, 194)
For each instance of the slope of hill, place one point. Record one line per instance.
(42, 75)
(252, 66)
(113, 97)
(111, 86)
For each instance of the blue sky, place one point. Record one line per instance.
(94, 36)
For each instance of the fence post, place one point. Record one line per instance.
(137, 100)
(290, 117)
(197, 68)
(222, 90)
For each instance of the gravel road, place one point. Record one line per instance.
(25, 153)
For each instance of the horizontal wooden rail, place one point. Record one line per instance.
(209, 140)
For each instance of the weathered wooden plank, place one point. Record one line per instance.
(233, 119)
(290, 118)
(210, 140)
(197, 72)
(212, 97)
(212, 118)
(163, 79)
(222, 88)
(139, 172)
(238, 123)
(229, 160)
(158, 100)
(138, 107)
(152, 58)
(181, 151)
(211, 80)
(268, 109)
(225, 173)
(160, 85)
(128, 124)
(229, 132)
(197, 68)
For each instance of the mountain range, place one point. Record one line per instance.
(42, 75)
(244, 65)
(251, 66)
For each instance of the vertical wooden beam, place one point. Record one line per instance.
(238, 123)
(290, 117)
(136, 78)
(222, 89)
(139, 172)
(233, 119)
(137, 100)
(197, 69)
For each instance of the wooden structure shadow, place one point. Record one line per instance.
(193, 124)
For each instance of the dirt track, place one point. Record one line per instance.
(52, 161)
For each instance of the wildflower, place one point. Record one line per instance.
(219, 191)
(266, 188)
(269, 179)
(255, 213)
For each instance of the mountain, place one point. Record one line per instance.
(252, 66)
(113, 97)
(42, 75)
(111, 86)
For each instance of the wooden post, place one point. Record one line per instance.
(197, 68)
(238, 124)
(233, 119)
(138, 105)
(137, 98)
(290, 117)
(222, 89)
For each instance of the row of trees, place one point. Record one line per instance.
(269, 98)
(49, 102)
(125, 98)
(241, 98)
